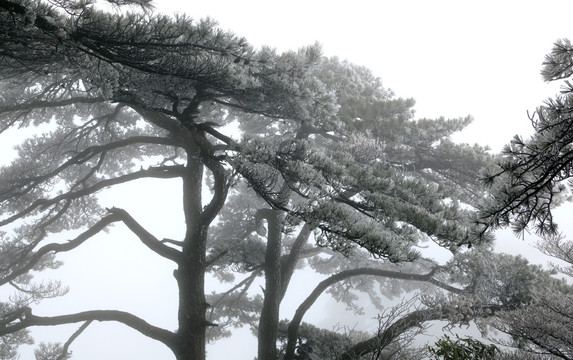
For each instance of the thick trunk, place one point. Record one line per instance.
(192, 305)
(268, 323)
(190, 274)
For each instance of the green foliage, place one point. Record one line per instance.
(462, 349)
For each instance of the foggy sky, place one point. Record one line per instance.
(455, 58)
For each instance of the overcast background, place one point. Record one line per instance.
(455, 58)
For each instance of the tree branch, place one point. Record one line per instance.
(289, 262)
(26, 319)
(323, 285)
(74, 336)
(220, 189)
(55, 248)
(154, 116)
(171, 241)
(40, 104)
(84, 156)
(163, 172)
(413, 319)
(146, 237)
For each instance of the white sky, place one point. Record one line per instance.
(454, 57)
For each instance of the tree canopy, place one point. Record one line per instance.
(283, 161)
(530, 179)
(531, 176)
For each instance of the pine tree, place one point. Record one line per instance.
(327, 154)
(119, 91)
(530, 178)
(378, 181)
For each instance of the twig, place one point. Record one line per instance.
(74, 336)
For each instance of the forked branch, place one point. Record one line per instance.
(145, 236)
(323, 285)
(29, 263)
(26, 319)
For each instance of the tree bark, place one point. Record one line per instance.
(26, 319)
(288, 264)
(190, 274)
(268, 323)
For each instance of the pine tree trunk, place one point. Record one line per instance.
(190, 274)
(192, 305)
(268, 323)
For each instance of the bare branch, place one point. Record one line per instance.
(215, 258)
(146, 238)
(74, 336)
(220, 189)
(26, 319)
(288, 263)
(162, 172)
(29, 263)
(171, 241)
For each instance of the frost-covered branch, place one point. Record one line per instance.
(22, 185)
(413, 319)
(323, 285)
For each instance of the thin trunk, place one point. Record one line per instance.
(289, 264)
(268, 323)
